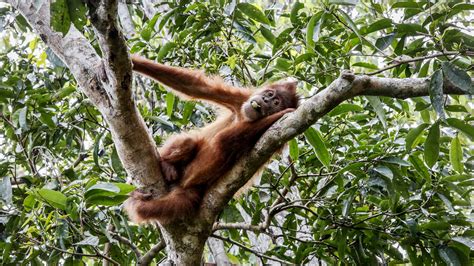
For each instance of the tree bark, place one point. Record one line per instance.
(106, 82)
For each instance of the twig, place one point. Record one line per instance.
(258, 254)
(421, 58)
(31, 165)
(244, 226)
(107, 246)
(150, 255)
(127, 242)
(98, 254)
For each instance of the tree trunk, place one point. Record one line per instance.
(185, 241)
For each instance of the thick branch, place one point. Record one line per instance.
(106, 81)
(346, 86)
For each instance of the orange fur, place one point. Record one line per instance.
(193, 161)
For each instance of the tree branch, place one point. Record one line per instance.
(217, 248)
(127, 242)
(150, 255)
(105, 81)
(346, 86)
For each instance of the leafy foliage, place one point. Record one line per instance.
(376, 181)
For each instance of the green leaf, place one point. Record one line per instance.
(77, 13)
(109, 187)
(107, 194)
(378, 108)
(47, 119)
(436, 93)
(97, 144)
(410, 29)
(60, 20)
(345, 108)
(469, 242)
(458, 77)
(315, 139)
(435, 225)
(312, 31)
(268, 35)
(432, 145)
(405, 4)
(346, 206)
(100, 200)
(344, 2)
(253, 12)
(461, 126)
(383, 42)
(170, 99)
(456, 178)
(188, 111)
(365, 65)
(53, 198)
(449, 256)
(456, 108)
(424, 69)
(400, 46)
(413, 135)
(283, 64)
(6, 93)
(395, 160)
(115, 162)
(385, 171)
(351, 24)
(294, 13)
(294, 151)
(64, 92)
(164, 50)
(124, 188)
(455, 155)
(379, 25)
(29, 202)
(146, 33)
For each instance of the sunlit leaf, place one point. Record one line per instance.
(455, 155)
(294, 151)
(315, 139)
(60, 20)
(412, 136)
(53, 197)
(253, 12)
(294, 12)
(462, 126)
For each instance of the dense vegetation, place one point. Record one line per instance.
(377, 181)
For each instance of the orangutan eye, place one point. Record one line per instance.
(276, 102)
(270, 94)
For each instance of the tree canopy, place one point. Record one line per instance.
(384, 178)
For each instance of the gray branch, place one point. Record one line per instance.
(105, 81)
(125, 19)
(150, 255)
(346, 86)
(217, 248)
